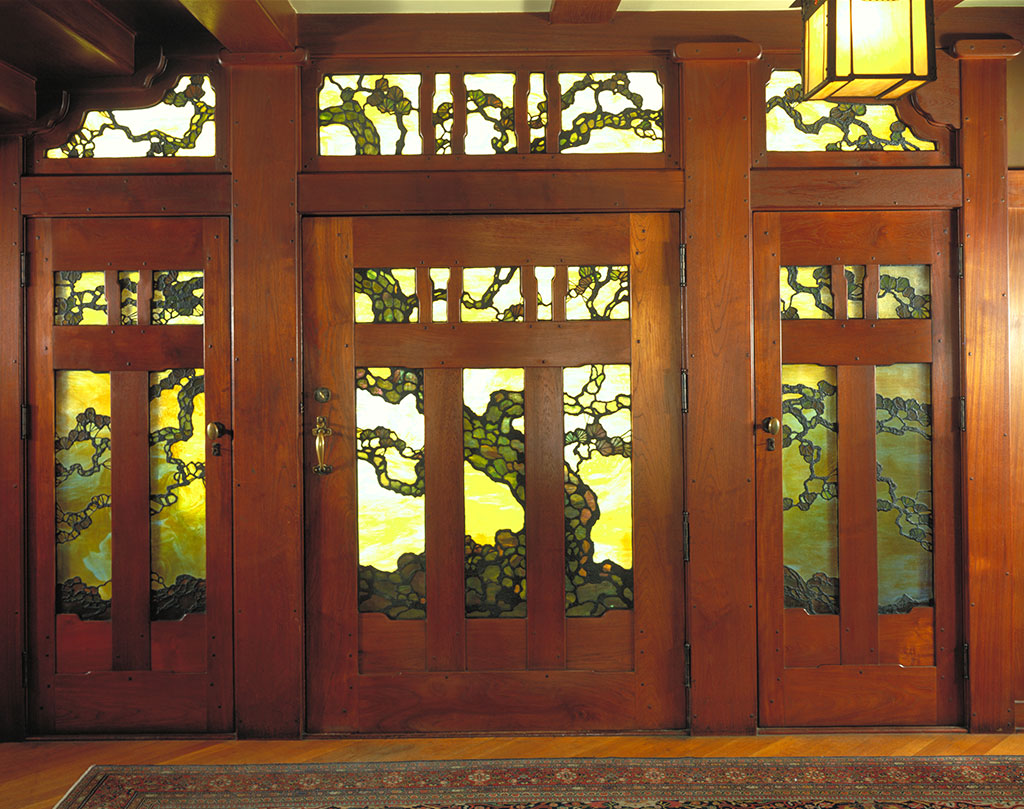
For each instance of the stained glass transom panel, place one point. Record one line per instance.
(598, 489)
(823, 126)
(177, 492)
(904, 291)
(177, 298)
(854, 290)
(370, 114)
(385, 295)
(391, 512)
(537, 113)
(494, 445)
(83, 493)
(443, 113)
(491, 295)
(597, 293)
(490, 113)
(903, 454)
(806, 293)
(810, 471)
(181, 124)
(128, 285)
(606, 113)
(79, 299)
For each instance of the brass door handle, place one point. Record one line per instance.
(320, 433)
(771, 425)
(215, 430)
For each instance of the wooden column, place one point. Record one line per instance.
(719, 443)
(12, 470)
(264, 120)
(1017, 450)
(986, 374)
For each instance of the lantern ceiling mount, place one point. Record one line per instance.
(867, 49)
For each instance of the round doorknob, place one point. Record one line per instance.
(215, 430)
(771, 425)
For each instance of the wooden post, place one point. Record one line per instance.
(719, 445)
(986, 376)
(264, 120)
(12, 495)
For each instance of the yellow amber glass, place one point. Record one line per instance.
(806, 292)
(439, 277)
(904, 291)
(490, 100)
(79, 299)
(491, 295)
(601, 119)
(370, 114)
(545, 276)
(128, 283)
(597, 293)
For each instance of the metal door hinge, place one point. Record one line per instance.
(684, 387)
(687, 679)
(26, 422)
(24, 269)
(963, 414)
(960, 260)
(686, 536)
(967, 661)
(682, 265)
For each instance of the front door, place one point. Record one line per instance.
(855, 339)
(493, 486)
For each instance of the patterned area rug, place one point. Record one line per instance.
(723, 783)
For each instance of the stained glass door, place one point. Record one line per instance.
(493, 484)
(130, 533)
(855, 331)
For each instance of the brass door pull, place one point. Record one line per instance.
(771, 425)
(320, 432)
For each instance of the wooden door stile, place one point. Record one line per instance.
(1016, 298)
(332, 617)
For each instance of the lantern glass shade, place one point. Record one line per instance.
(867, 49)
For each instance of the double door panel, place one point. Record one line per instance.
(493, 488)
(855, 339)
(130, 533)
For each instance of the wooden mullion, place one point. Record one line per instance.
(130, 546)
(458, 85)
(545, 519)
(553, 128)
(425, 294)
(113, 293)
(144, 297)
(871, 287)
(529, 284)
(839, 292)
(522, 125)
(858, 521)
(445, 520)
(559, 290)
(427, 84)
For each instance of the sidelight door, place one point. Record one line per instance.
(856, 470)
(130, 532)
(493, 486)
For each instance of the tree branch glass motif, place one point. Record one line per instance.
(597, 293)
(181, 124)
(177, 298)
(439, 277)
(83, 493)
(810, 471)
(491, 295)
(128, 286)
(390, 490)
(386, 295)
(611, 113)
(597, 417)
(903, 453)
(79, 299)
(177, 492)
(443, 115)
(537, 113)
(545, 276)
(822, 126)
(904, 291)
(494, 446)
(854, 274)
(806, 293)
(369, 114)
(490, 113)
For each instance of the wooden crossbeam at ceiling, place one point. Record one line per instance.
(17, 95)
(247, 26)
(942, 6)
(582, 11)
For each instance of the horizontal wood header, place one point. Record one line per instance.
(717, 51)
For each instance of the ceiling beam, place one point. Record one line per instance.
(940, 7)
(17, 95)
(248, 26)
(582, 11)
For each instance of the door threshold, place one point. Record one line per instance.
(879, 729)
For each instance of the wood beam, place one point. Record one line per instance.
(247, 26)
(582, 11)
(942, 6)
(17, 94)
(93, 31)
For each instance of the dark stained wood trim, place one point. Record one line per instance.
(1015, 198)
(247, 26)
(102, 244)
(126, 195)
(12, 471)
(473, 191)
(851, 188)
(726, 51)
(100, 700)
(986, 483)
(1016, 470)
(582, 11)
(17, 94)
(124, 348)
(856, 342)
(719, 453)
(94, 29)
(264, 115)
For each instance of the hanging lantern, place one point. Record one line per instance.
(861, 49)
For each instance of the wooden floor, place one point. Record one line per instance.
(35, 775)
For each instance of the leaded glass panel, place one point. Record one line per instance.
(491, 295)
(545, 276)
(181, 124)
(177, 298)
(443, 115)
(597, 293)
(806, 293)
(391, 513)
(904, 291)
(810, 471)
(385, 295)
(490, 113)
(177, 492)
(537, 113)
(439, 277)
(903, 452)
(597, 418)
(854, 274)
(79, 299)
(83, 493)
(494, 446)
(128, 285)
(611, 113)
(370, 114)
